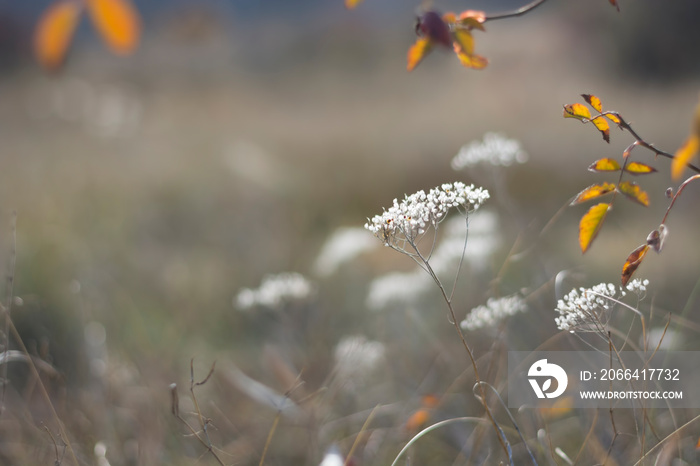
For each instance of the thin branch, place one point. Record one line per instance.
(519, 12)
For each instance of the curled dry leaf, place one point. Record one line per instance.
(54, 32)
(632, 263)
(656, 238)
(590, 224)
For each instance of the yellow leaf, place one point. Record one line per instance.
(578, 111)
(634, 192)
(590, 224)
(632, 263)
(684, 155)
(418, 51)
(475, 62)
(118, 23)
(593, 101)
(350, 4)
(593, 192)
(614, 117)
(54, 32)
(637, 168)
(605, 165)
(465, 40)
(603, 126)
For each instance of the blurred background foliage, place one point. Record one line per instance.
(241, 134)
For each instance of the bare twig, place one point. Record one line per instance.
(519, 12)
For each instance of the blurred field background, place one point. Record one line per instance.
(150, 189)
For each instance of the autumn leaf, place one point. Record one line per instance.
(418, 51)
(432, 26)
(634, 192)
(351, 4)
(476, 62)
(578, 111)
(637, 168)
(54, 32)
(614, 3)
(684, 155)
(465, 40)
(614, 117)
(593, 192)
(632, 263)
(688, 150)
(593, 101)
(605, 165)
(590, 224)
(603, 126)
(118, 23)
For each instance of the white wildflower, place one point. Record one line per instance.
(275, 291)
(495, 310)
(405, 221)
(356, 358)
(343, 245)
(638, 286)
(588, 309)
(495, 149)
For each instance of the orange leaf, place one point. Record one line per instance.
(418, 51)
(465, 40)
(634, 192)
(350, 4)
(417, 420)
(578, 111)
(603, 126)
(118, 23)
(590, 225)
(684, 155)
(54, 32)
(593, 101)
(605, 165)
(637, 168)
(614, 117)
(475, 62)
(632, 263)
(593, 192)
(473, 19)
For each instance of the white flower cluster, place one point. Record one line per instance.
(638, 286)
(586, 309)
(275, 291)
(495, 149)
(495, 310)
(356, 358)
(410, 218)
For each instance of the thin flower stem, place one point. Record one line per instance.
(626, 126)
(519, 12)
(453, 319)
